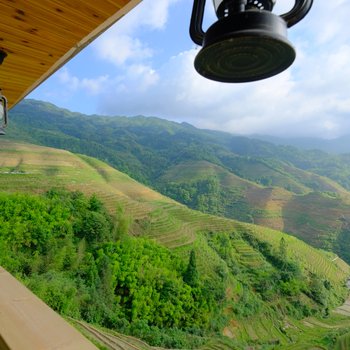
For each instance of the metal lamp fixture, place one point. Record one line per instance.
(3, 114)
(248, 42)
(3, 103)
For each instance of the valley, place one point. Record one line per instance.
(304, 193)
(266, 289)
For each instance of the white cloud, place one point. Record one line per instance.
(71, 83)
(120, 44)
(154, 13)
(94, 86)
(119, 48)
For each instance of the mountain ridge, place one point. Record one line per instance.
(338, 145)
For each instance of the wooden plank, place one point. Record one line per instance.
(47, 32)
(40, 54)
(20, 81)
(37, 26)
(29, 40)
(39, 19)
(121, 3)
(98, 8)
(75, 11)
(62, 16)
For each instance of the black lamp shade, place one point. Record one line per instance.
(245, 47)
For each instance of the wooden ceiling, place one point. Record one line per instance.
(39, 36)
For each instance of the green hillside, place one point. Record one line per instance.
(300, 192)
(146, 147)
(318, 217)
(315, 216)
(248, 285)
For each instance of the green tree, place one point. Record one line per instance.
(123, 223)
(283, 248)
(191, 274)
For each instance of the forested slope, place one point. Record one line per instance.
(138, 262)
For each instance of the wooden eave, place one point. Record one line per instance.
(40, 36)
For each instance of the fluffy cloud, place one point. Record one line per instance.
(120, 44)
(119, 48)
(72, 83)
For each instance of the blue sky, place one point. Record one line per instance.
(143, 65)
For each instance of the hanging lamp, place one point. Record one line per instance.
(3, 102)
(248, 42)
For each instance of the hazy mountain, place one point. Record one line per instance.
(338, 145)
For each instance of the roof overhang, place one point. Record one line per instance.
(39, 37)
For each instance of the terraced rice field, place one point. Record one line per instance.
(311, 331)
(302, 335)
(112, 340)
(29, 168)
(313, 259)
(248, 256)
(306, 334)
(35, 169)
(343, 342)
(116, 341)
(264, 328)
(169, 231)
(217, 345)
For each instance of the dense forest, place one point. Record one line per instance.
(81, 260)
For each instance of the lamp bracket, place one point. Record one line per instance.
(4, 111)
(297, 13)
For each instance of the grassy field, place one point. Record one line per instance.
(34, 169)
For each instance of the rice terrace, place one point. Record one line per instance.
(239, 251)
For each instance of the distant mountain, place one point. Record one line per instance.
(340, 145)
(304, 193)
